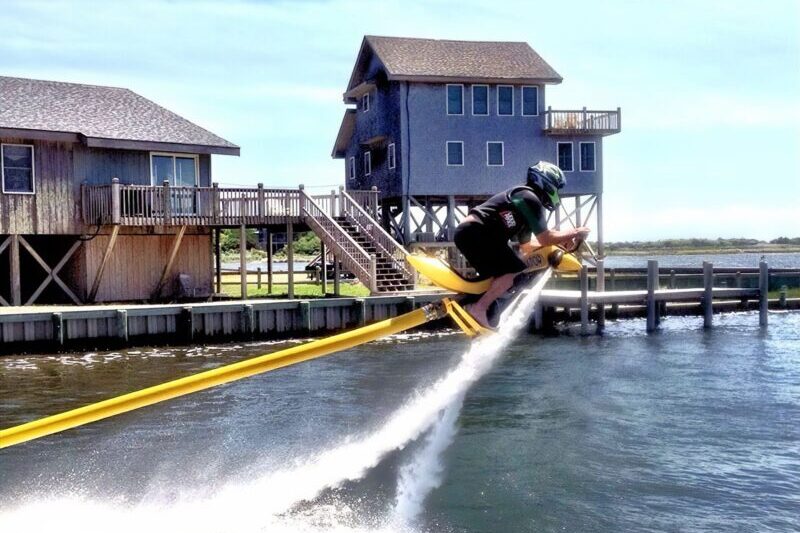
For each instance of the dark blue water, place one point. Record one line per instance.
(744, 260)
(683, 430)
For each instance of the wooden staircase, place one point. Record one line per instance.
(357, 240)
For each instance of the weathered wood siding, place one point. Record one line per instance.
(59, 170)
(137, 262)
(55, 206)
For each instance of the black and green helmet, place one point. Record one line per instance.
(546, 179)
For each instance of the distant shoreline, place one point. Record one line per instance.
(764, 249)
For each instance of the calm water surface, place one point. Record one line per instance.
(683, 430)
(748, 260)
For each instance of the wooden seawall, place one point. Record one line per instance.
(56, 328)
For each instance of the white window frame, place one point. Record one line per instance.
(594, 156)
(571, 155)
(368, 163)
(447, 99)
(502, 153)
(472, 91)
(447, 153)
(365, 102)
(352, 168)
(498, 100)
(33, 169)
(196, 158)
(522, 95)
(391, 156)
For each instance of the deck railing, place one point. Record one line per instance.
(164, 205)
(582, 121)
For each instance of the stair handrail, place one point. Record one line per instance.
(382, 239)
(354, 258)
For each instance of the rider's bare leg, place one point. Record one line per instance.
(499, 287)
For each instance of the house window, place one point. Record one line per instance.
(505, 100)
(352, 170)
(391, 156)
(480, 99)
(17, 168)
(455, 153)
(587, 157)
(178, 169)
(455, 99)
(530, 101)
(365, 102)
(367, 163)
(494, 154)
(565, 156)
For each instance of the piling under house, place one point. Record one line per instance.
(76, 161)
(438, 126)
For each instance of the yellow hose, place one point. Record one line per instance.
(218, 376)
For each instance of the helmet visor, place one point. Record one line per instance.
(554, 199)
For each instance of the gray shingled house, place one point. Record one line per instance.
(438, 125)
(99, 187)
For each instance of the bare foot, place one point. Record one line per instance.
(479, 315)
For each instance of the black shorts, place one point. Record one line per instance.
(487, 250)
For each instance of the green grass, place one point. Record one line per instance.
(306, 290)
(792, 292)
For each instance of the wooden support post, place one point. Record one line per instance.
(333, 204)
(672, 279)
(116, 201)
(451, 217)
(584, 279)
(176, 244)
(406, 220)
(260, 209)
(652, 285)
(247, 320)
(601, 246)
(186, 324)
(166, 203)
(373, 273)
(218, 259)
(243, 260)
(258, 278)
(122, 324)
(323, 275)
(373, 201)
(215, 206)
(738, 279)
(708, 294)
(337, 275)
(58, 328)
(410, 304)
(538, 316)
(601, 287)
(578, 217)
(290, 257)
(613, 282)
(782, 296)
(269, 262)
(361, 311)
(98, 277)
(763, 294)
(305, 315)
(16, 285)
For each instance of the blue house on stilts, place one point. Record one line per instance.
(437, 126)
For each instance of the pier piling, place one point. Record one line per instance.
(652, 285)
(763, 293)
(584, 302)
(708, 294)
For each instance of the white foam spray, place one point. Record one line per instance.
(260, 504)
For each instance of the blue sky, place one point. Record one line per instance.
(709, 90)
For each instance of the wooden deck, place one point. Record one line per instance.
(582, 121)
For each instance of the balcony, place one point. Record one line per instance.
(164, 205)
(582, 122)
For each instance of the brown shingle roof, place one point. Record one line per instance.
(98, 112)
(407, 58)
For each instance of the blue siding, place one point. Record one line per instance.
(98, 165)
(429, 128)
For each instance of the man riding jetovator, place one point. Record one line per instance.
(483, 236)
